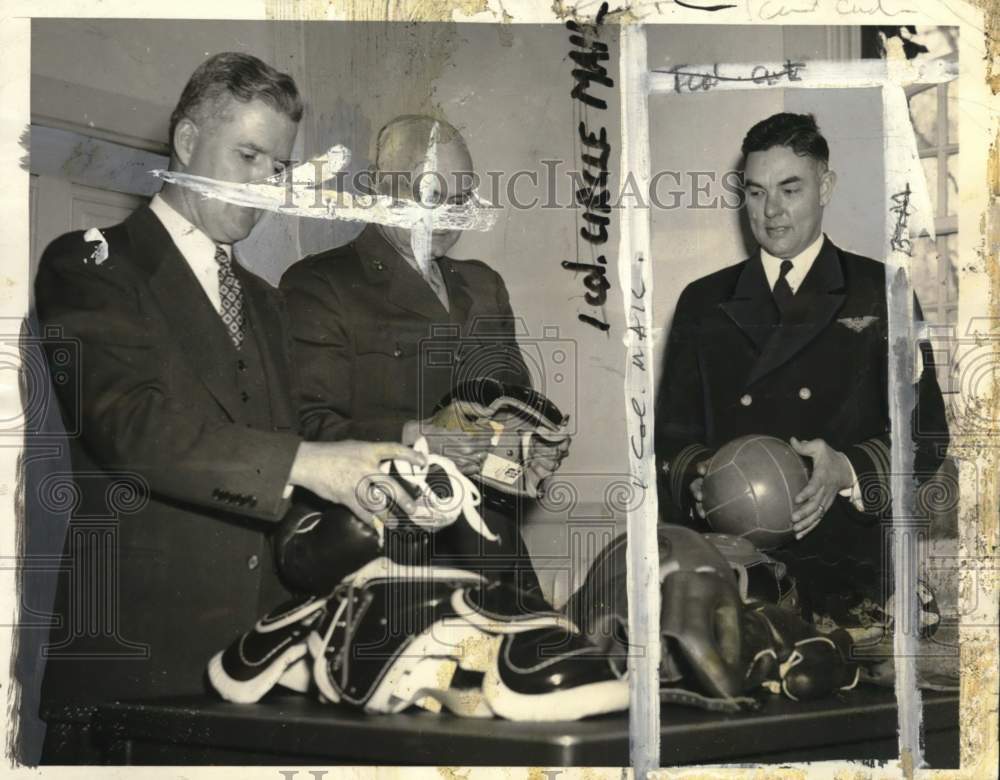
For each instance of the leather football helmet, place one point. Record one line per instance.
(523, 422)
(318, 545)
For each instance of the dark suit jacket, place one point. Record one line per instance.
(732, 369)
(376, 348)
(159, 410)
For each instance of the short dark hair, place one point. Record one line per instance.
(242, 77)
(798, 132)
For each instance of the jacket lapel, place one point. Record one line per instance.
(407, 288)
(815, 303)
(193, 321)
(752, 306)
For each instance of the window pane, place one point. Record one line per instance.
(924, 274)
(924, 112)
(930, 173)
(952, 184)
(940, 42)
(952, 87)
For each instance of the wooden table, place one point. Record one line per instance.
(291, 729)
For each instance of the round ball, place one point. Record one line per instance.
(750, 488)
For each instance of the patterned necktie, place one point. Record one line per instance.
(231, 294)
(782, 290)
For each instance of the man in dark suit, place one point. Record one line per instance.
(792, 342)
(185, 400)
(386, 326)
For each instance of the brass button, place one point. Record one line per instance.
(805, 393)
(397, 352)
(253, 562)
(241, 365)
(244, 396)
(746, 399)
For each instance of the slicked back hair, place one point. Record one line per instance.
(241, 77)
(798, 132)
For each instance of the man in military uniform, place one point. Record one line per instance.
(187, 422)
(383, 331)
(792, 343)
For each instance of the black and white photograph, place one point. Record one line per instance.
(772, 417)
(587, 386)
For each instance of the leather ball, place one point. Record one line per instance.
(750, 488)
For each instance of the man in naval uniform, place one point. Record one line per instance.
(792, 343)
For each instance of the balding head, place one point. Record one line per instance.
(425, 160)
(413, 152)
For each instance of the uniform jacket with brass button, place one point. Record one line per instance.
(375, 347)
(164, 404)
(731, 369)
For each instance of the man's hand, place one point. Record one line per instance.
(347, 472)
(831, 473)
(455, 433)
(696, 485)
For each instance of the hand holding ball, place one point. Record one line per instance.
(750, 487)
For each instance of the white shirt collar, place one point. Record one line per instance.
(195, 247)
(801, 264)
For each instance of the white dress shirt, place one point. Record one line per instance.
(801, 264)
(199, 251)
(195, 247)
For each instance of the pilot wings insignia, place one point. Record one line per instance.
(857, 324)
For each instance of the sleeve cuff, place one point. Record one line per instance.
(871, 465)
(853, 493)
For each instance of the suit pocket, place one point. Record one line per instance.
(386, 376)
(382, 341)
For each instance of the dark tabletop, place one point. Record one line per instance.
(287, 728)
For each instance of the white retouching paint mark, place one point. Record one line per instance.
(313, 172)
(904, 179)
(422, 233)
(100, 252)
(303, 194)
(902, 166)
(636, 281)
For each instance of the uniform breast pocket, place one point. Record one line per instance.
(386, 372)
